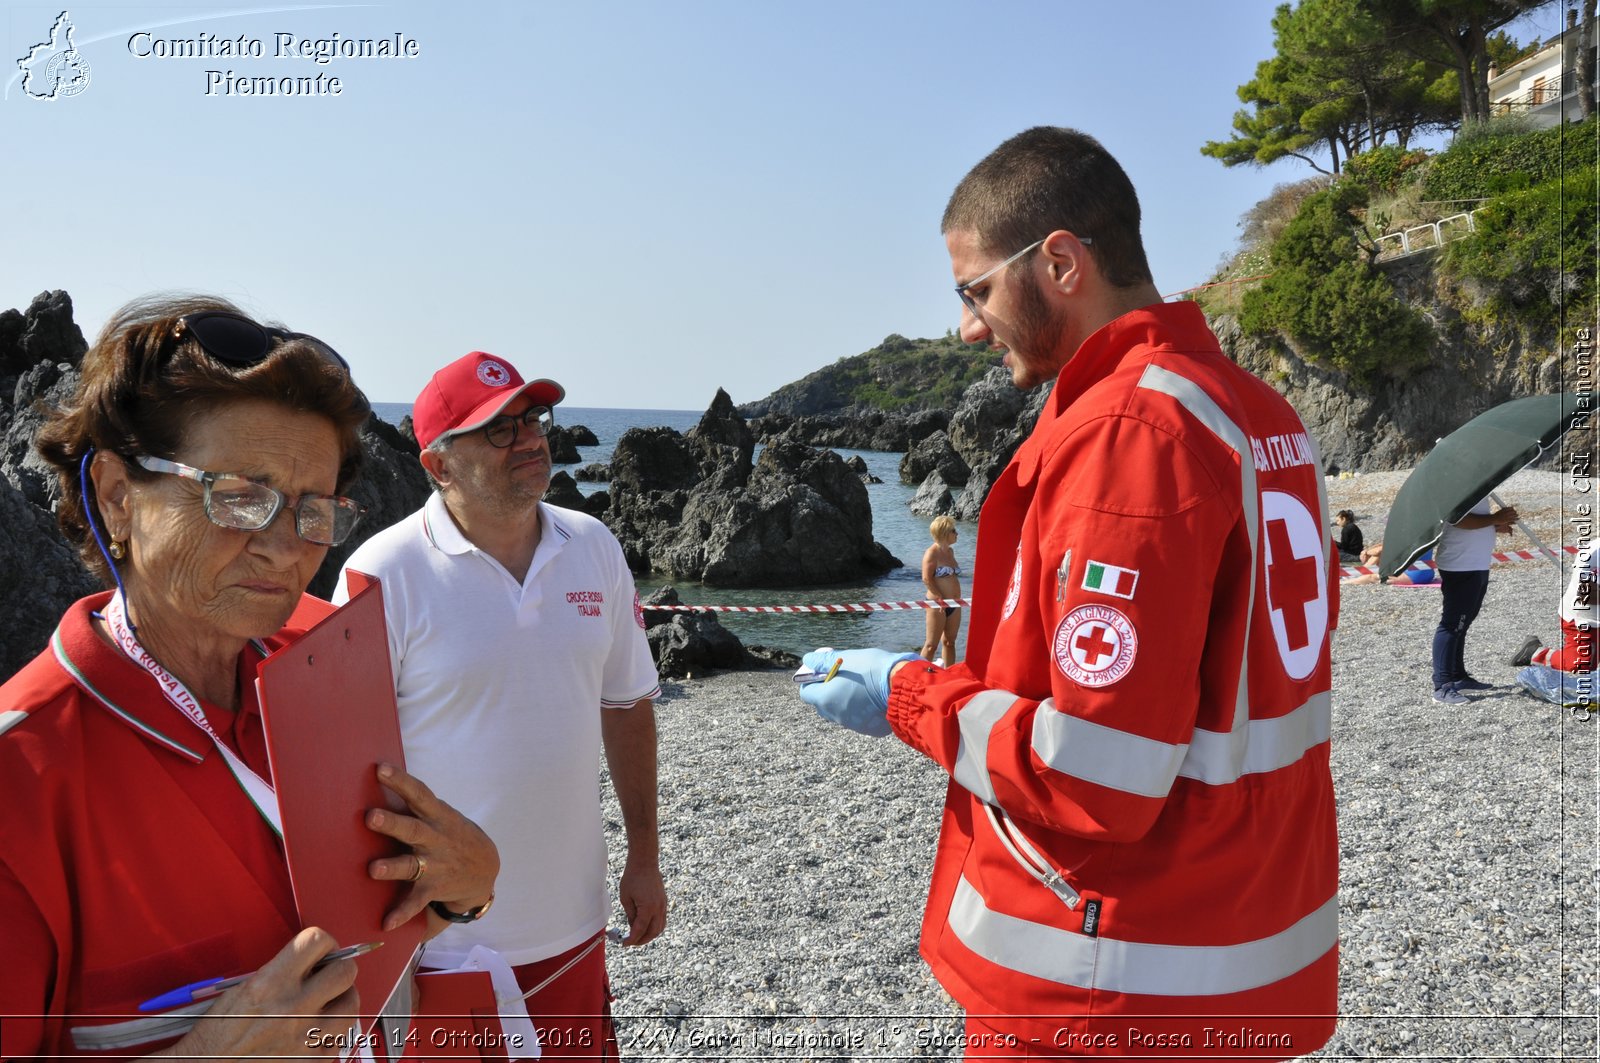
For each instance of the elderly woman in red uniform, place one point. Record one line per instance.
(201, 465)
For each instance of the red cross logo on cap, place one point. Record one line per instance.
(493, 374)
(1095, 645)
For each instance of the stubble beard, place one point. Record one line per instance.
(1039, 330)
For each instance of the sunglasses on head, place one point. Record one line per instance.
(238, 341)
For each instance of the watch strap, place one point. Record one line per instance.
(471, 915)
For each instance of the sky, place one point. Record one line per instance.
(644, 201)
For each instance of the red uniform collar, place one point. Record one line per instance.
(1175, 326)
(1181, 326)
(129, 694)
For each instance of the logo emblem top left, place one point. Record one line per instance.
(54, 68)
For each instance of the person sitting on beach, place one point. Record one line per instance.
(941, 574)
(1350, 539)
(1577, 650)
(1418, 574)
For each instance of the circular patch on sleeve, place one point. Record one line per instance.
(1094, 645)
(493, 374)
(638, 610)
(1014, 591)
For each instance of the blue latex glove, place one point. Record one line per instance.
(858, 696)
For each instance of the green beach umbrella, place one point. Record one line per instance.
(1469, 463)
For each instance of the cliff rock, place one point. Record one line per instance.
(987, 428)
(934, 454)
(864, 428)
(1478, 362)
(696, 507)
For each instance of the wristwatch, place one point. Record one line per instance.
(471, 915)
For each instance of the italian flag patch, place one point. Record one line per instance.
(1110, 579)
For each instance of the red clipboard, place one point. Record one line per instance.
(328, 708)
(457, 1018)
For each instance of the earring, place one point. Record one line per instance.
(117, 550)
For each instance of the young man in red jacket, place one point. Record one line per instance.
(1138, 854)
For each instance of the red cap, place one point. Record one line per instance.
(470, 392)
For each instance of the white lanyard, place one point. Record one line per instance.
(257, 789)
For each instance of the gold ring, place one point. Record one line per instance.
(422, 867)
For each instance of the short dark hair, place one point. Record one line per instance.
(1049, 178)
(141, 387)
(1347, 514)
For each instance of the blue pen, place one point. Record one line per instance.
(213, 987)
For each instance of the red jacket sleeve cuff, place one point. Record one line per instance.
(906, 704)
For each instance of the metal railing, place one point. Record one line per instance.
(1536, 97)
(1426, 237)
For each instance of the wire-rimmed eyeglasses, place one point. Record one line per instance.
(235, 501)
(964, 290)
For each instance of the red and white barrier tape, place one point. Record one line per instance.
(1505, 558)
(852, 607)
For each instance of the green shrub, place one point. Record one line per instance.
(1495, 160)
(1534, 250)
(1385, 169)
(1324, 293)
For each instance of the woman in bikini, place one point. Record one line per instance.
(941, 574)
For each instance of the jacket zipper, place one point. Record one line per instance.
(1033, 862)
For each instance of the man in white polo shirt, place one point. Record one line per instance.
(519, 654)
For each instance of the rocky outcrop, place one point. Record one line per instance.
(563, 491)
(563, 447)
(695, 506)
(40, 575)
(40, 353)
(595, 472)
(582, 436)
(934, 497)
(687, 644)
(987, 427)
(864, 428)
(45, 333)
(722, 426)
(934, 454)
(925, 374)
(858, 465)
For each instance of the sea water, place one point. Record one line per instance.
(893, 524)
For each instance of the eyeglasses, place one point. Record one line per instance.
(964, 290)
(234, 501)
(502, 431)
(238, 341)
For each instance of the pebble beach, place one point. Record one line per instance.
(797, 854)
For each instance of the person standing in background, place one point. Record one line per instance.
(941, 574)
(1463, 555)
